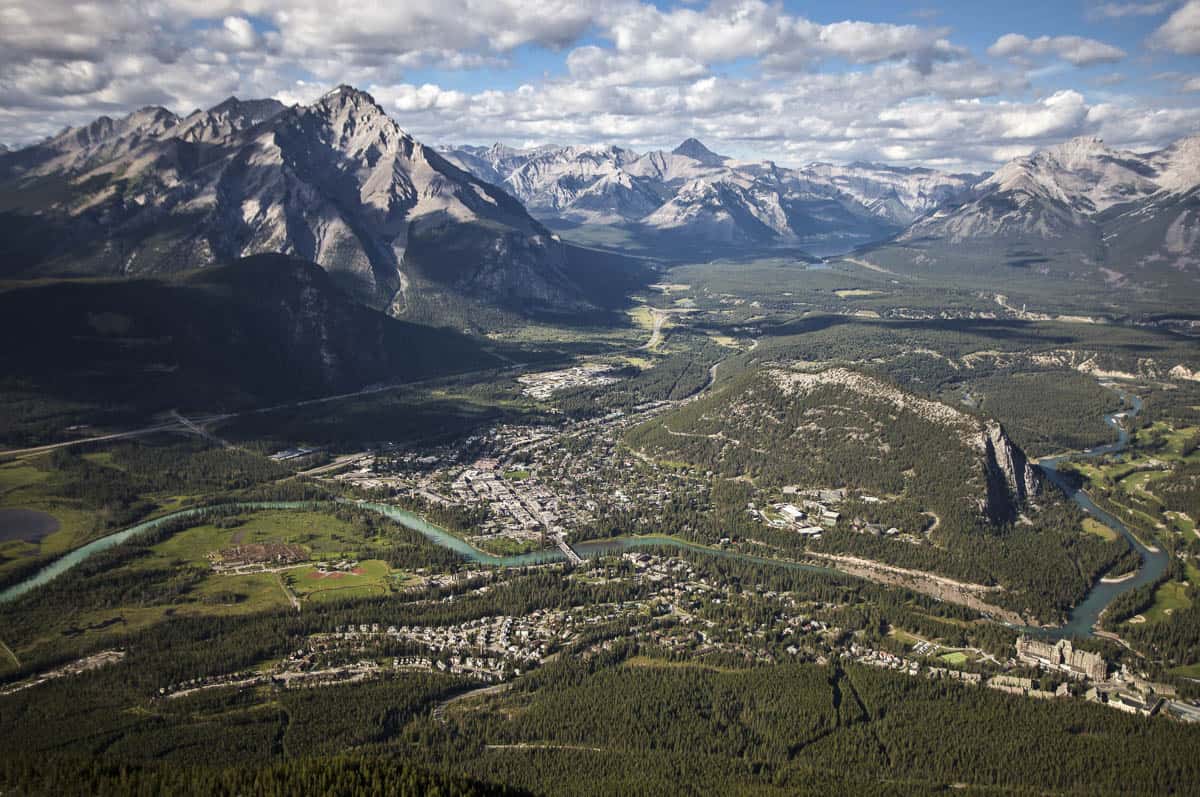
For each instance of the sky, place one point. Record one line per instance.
(954, 85)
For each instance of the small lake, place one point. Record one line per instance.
(27, 525)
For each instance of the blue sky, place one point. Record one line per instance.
(947, 84)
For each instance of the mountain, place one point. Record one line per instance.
(77, 149)
(1082, 209)
(337, 182)
(843, 428)
(691, 148)
(262, 329)
(227, 118)
(896, 194)
(692, 195)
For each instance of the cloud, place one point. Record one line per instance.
(1073, 49)
(1120, 10)
(1191, 85)
(726, 32)
(1181, 32)
(1059, 115)
(596, 64)
(235, 33)
(754, 78)
(406, 98)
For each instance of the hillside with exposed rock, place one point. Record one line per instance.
(337, 182)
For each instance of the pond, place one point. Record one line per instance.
(27, 525)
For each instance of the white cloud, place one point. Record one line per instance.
(1060, 115)
(1181, 32)
(1120, 10)
(235, 33)
(751, 77)
(406, 98)
(1191, 85)
(1073, 49)
(597, 64)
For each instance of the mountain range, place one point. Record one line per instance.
(1080, 209)
(694, 194)
(466, 235)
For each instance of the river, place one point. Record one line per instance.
(1154, 562)
(1080, 623)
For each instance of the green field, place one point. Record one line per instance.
(371, 578)
(1183, 524)
(1187, 670)
(1170, 597)
(1093, 526)
(954, 657)
(24, 485)
(323, 535)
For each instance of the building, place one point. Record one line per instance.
(1062, 656)
(792, 512)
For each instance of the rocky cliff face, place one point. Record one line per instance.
(1011, 478)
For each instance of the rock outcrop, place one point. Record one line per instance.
(1011, 478)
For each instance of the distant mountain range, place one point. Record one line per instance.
(694, 194)
(338, 183)
(1080, 209)
(456, 234)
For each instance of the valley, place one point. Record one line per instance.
(586, 470)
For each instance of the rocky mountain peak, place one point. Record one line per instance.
(692, 148)
(348, 96)
(1076, 152)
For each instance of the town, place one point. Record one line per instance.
(681, 612)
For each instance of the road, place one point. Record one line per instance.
(660, 319)
(341, 462)
(287, 591)
(868, 265)
(162, 427)
(439, 711)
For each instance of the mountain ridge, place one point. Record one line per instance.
(336, 182)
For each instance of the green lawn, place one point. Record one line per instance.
(1183, 524)
(954, 657)
(1170, 597)
(371, 580)
(14, 475)
(903, 636)
(1136, 483)
(1187, 670)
